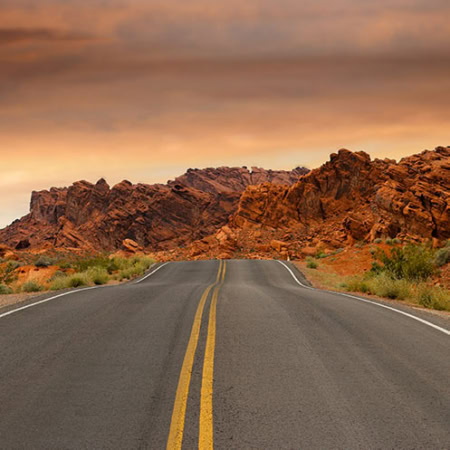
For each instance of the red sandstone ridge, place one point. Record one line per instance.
(97, 217)
(349, 198)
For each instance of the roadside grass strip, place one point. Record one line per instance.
(411, 316)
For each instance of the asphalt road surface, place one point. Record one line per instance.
(231, 355)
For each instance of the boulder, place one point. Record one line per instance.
(131, 246)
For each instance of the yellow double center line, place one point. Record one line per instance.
(206, 436)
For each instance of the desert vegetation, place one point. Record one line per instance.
(64, 270)
(404, 273)
(407, 272)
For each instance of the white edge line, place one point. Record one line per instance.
(411, 316)
(68, 293)
(47, 300)
(151, 273)
(294, 277)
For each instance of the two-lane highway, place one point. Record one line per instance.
(225, 354)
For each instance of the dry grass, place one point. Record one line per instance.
(414, 293)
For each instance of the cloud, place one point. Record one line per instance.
(13, 35)
(140, 88)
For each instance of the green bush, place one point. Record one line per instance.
(412, 262)
(311, 264)
(442, 256)
(396, 241)
(378, 241)
(5, 289)
(43, 261)
(97, 275)
(31, 286)
(389, 241)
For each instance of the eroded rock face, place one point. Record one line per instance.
(353, 198)
(160, 216)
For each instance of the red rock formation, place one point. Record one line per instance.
(349, 198)
(353, 198)
(97, 217)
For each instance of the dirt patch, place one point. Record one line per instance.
(12, 299)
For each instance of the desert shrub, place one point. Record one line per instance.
(321, 254)
(12, 265)
(357, 284)
(377, 268)
(96, 261)
(58, 274)
(381, 285)
(65, 264)
(412, 262)
(396, 241)
(97, 275)
(144, 263)
(389, 241)
(442, 256)
(385, 286)
(43, 261)
(59, 283)
(433, 297)
(126, 274)
(4, 290)
(360, 244)
(311, 264)
(339, 250)
(113, 266)
(77, 280)
(135, 266)
(378, 241)
(31, 286)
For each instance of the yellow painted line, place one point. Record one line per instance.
(206, 430)
(175, 439)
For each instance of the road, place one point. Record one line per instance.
(231, 355)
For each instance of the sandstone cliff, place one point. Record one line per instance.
(97, 217)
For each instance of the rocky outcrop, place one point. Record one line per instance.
(159, 216)
(352, 197)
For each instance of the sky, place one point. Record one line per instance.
(144, 89)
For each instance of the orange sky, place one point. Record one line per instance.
(145, 89)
